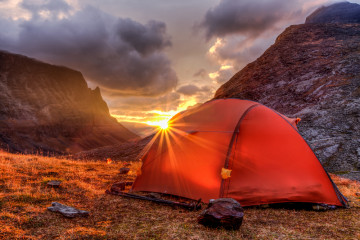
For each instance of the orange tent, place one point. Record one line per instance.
(238, 149)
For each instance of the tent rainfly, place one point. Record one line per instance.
(236, 149)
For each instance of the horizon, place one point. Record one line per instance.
(151, 60)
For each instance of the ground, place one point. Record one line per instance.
(24, 198)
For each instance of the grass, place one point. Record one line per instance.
(24, 198)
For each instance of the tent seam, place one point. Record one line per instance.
(235, 133)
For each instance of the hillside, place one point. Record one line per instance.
(47, 108)
(24, 198)
(312, 71)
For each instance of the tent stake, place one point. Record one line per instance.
(189, 206)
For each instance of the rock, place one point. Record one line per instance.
(323, 207)
(67, 211)
(120, 186)
(124, 170)
(154, 195)
(54, 184)
(312, 72)
(225, 212)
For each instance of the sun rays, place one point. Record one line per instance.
(176, 141)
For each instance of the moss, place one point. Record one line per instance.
(341, 172)
(31, 199)
(33, 222)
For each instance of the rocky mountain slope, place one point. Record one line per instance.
(48, 108)
(313, 72)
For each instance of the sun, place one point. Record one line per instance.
(163, 125)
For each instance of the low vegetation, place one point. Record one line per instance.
(24, 198)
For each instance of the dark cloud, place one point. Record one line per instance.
(191, 89)
(188, 89)
(118, 54)
(145, 39)
(246, 17)
(201, 73)
(199, 94)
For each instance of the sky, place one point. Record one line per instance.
(150, 58)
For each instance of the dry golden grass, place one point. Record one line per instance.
(24, 198)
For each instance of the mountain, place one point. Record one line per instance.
(141, 129)
(312, 71)
(343, 12)
(47, 108)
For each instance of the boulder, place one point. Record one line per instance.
(124, 170)
(67, 211)
(222, 212)
(120, 186)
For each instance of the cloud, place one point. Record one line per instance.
(245, 17)
(44, 8)
(125, 105)
(118, 54)
(201, 73)
(188, 89)
(222, 75)
(236, 51)
(145, 39)
(244, 29)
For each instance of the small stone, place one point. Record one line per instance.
(323, 207)
(154, 195)
(124, 170)
(120, 186)
(225, 212)
(67, 211)
(54, 184)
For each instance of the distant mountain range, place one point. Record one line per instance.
(141, 129)
(46, 108)
(313, 72)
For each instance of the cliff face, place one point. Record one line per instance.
(49, 108)
(312, 72)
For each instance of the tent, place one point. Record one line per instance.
(238, 149)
